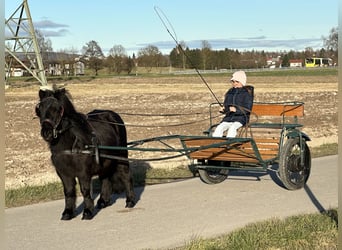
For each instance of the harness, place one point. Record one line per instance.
(74, 149)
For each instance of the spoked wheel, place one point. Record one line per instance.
(214, 175)
(292, 173)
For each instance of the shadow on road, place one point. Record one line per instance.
(246, 175)
(139, 169)
(332, 213)
(314, 200)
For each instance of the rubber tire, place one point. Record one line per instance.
(291, 173)
(213, 176)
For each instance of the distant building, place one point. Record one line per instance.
(55, 64)
(78, 67)
(17, 72)
(273, 62)
(295, 63)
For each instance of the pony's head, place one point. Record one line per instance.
(53, 106)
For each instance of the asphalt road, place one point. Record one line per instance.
(170, 215)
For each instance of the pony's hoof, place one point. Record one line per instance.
(67, 215)
(130, 204)
(101, 203)
(87, 214)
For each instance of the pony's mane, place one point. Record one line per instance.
(65, 98)
(61, 94)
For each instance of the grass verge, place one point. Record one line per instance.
(309, 231)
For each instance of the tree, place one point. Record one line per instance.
(194, 58)
(150, 57)
(44, 44)
(92, 53)
(206, 51)
(182, 50)
(285, 61)
(117, 58)
(128, 64)
(117, 50)
(309, 52)
(331, 43)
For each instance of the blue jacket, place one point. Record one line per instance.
(242, 99)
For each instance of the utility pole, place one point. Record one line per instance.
(22, 45)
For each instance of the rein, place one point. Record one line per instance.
(152, 115)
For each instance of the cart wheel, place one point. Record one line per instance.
(213, 175)
(291, 173)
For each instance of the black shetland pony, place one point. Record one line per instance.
(68, 134)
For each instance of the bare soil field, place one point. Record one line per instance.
(139, 100)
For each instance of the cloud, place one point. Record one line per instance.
(47, 24)
(46, 27)
(51, 29)
(55, 33)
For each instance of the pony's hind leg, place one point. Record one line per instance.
(127, 180)
(130, 195)
(106, 191)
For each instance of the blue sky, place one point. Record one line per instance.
(270, 25)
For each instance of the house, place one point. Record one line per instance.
(295, 63)
(55, 64)
(273, 62)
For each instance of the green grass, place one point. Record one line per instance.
(324, 150)
(297, 72)
(33, 194)
(309, 231)
(156, 73)
(53, 191)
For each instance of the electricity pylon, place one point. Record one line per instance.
(22, 45)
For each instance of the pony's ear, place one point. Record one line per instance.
(45, 93)
(59, 93)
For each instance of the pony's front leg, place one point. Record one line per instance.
(88, 210)
(69, 186)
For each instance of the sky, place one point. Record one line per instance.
(269, 25)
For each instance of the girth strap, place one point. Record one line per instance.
(94, 151)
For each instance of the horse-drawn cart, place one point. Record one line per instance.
(272, 139)
(261, 144)
(96, 144)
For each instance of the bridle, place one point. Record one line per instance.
(53, 124)
(55, 132)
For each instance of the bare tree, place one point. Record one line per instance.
(205, 51)
(92, 53)
(117, 58)
(45, 44)
(45, 47)
(331, 43)
(150, 57)
(117, 50)
(183, 48)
